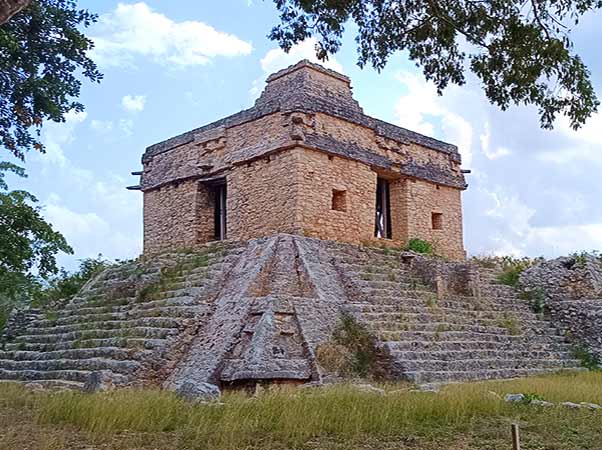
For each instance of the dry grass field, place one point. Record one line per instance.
(461, 417)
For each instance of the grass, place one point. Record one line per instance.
(467, 417)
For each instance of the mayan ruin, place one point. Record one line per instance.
(268, 232)
(304, 160)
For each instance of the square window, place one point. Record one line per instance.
(437, 221)
(339, 200)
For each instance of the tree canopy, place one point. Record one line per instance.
(27, 242)
(520, 50)
(43, 53)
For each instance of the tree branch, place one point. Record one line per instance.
(8, 8)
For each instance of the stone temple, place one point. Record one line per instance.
(304, 160)
(267, 231)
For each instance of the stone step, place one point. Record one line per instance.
(477, 354)
(183, 312)
(441, 326)
(90, 364)
(126, 324)
(417, 309)
(30, 375)
(367, 284)
(474, 345)
(376, 267)
(129, 305)
(421, 377)
(456, 318)
(463, 336)
(130, 343)
(115, 353)
(426, 298)
(145, 332)
(476, 365)
(49, 384)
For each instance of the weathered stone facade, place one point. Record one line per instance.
(304, 160)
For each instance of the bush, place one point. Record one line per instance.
(352, 352)
(587, 358)
(536, 298)
(419, 246)
(512, 268)
(23, 290)
(65, 285)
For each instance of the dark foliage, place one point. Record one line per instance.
(520, 50)
(42, 53)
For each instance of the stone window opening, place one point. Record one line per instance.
(437, 221)
(339, 200)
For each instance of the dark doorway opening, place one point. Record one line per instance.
(219, 204)
(382, 228)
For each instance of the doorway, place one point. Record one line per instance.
(219, 205)
(382, 228)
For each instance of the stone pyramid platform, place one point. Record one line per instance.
(229, 314)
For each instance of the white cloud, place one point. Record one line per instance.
(133, 103)
(135, 30)
(277, 59)
(585, 144)
(100, 215)
(485, 138)
(89, 233)
(126, 126)
(421, 108)
(101, 126)
(57, 134)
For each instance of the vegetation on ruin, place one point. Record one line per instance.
(581, 257)
(536, 298)
(510, 267)
(587, 358)
(352, 352)
(419, 246)
(466, 416)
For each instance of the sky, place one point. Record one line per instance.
(170, 66)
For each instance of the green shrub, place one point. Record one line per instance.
(536, 298)
(512, 268)
(580, 258)
(419, 246)
(587, 358)
(362, 353)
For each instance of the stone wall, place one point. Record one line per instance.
(170, 217)
(321, 175)
(263, 197)
(566, 278)
(305, 138)
(572, 287)
(582, 322)
(426, 198)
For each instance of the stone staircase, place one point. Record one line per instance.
(121, 324)
(232, 314)
(453, 338)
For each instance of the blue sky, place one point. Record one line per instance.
(172, 66)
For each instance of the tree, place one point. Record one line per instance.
(28, 243)
(9, 8)
(519, 49)
(42, 52)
